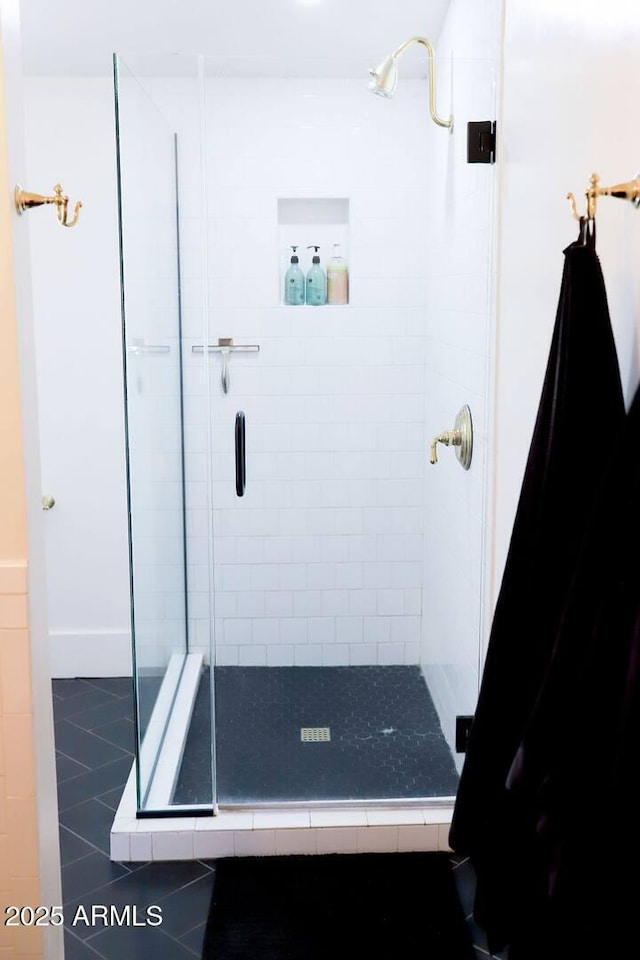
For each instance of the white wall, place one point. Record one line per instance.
(460, 324)
(570, 75)
(70, 139)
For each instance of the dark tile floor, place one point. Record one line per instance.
(386, 739)
(94, 751)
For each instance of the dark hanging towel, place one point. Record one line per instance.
(575, 774)
(581, 409)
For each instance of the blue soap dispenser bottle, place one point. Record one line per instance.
(294, 282)
(316, 281)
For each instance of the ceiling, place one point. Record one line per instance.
(78, 37)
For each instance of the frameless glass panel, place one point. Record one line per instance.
(340, 572)
(348, 585)
(152, 343)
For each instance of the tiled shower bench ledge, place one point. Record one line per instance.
(268, 832)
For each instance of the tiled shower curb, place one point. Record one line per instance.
(269, 832)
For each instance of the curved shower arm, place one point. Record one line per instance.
(432, 77)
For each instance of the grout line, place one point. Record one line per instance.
(184, 886)
(72, 806)
(80, 776)
(102, 689)
(110, 723)
(87, 800)
(101, 801)
(92, 733)
(114, 883)
(78, 680)
(185, 947)
(67, 757)
(83, 857)
(92, 936)
(89, 733)
(87, 709)
(69, 930)
(80, 837)
(202, 923)
(93, 891)
(94, 849)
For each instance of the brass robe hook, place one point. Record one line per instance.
(25, 201)
(624, 191)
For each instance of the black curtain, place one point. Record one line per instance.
(580, 416)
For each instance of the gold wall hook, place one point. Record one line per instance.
(574, 206)
(630, 190)
(24, 200)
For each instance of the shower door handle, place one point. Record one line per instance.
(241, 461)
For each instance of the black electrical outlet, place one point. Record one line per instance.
(463, 729)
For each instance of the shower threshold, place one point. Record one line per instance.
(264, 828)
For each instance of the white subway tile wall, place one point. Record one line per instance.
(346, 534)
(321, 561)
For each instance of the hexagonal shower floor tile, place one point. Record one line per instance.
(386, 740)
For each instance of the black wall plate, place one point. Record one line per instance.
(481, 141)
(463, 729)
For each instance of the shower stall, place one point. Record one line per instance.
(307, 590)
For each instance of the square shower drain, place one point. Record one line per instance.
(315, 734)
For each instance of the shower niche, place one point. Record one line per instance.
(308, 222)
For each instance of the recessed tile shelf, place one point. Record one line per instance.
(308, 221)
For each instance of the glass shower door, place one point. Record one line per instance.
(152, 346)
(348, 584)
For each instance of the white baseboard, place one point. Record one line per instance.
(90, 653)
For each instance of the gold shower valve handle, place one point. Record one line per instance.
(24, 200)
(448, 438)
(460, 437)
